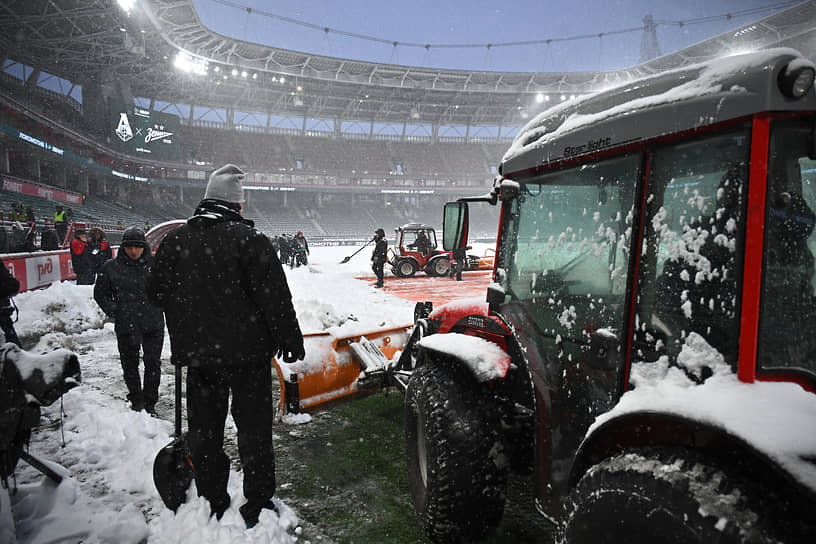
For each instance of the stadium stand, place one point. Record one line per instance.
(446, 135)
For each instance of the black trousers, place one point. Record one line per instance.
(253, 409)
(150, 342)
(7, 325)
(377, 266)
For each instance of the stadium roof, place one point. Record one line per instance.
(87, 41)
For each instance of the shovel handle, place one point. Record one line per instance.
(347, 259)
(178, 401)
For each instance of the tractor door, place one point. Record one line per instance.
(563, 274)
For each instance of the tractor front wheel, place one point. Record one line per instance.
(439, 267)
(457, 470)
(404, 268)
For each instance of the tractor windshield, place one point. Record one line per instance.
(567, 246)
(788, 304)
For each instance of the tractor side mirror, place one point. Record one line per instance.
(455, 225)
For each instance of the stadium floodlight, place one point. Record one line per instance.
(539, 98)
(188, 63)
(243, 73)
(283, 79)
(126, 5)
(234, 72)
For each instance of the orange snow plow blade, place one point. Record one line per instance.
(337, 369)
(485, 262)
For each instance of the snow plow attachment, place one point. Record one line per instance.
(338, 368)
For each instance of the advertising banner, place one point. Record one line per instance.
(18, 186)
(143, 132)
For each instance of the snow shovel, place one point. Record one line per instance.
(347, 259)
(173, 467)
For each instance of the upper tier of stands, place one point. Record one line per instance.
(279, 158)
(340, 157)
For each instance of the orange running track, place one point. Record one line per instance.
(438, 290)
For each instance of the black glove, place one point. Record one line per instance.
(293, 352)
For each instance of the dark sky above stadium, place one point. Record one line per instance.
(300, 25)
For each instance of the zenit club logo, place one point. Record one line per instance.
(123, 130)
(156, 132)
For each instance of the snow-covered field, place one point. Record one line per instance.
(107, 495)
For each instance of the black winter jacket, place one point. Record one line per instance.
(120, 292)
(223, 291)
(380, 253)
(9, 286)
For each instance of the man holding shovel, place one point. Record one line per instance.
(229, 311)
(379, 255)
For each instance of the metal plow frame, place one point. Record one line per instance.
(338, 369)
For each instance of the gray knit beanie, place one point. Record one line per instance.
(226, 184)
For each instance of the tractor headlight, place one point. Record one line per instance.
(796, 79)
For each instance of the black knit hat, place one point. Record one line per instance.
(133, 237)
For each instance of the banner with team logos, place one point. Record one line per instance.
(145, 133)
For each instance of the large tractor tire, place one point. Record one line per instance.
(457, 470)
(665, 497)
(404, 268)
(439, 267)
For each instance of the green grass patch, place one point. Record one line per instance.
(345, 472)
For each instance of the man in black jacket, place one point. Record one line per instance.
(120, 292)
(229, 311)
(379, 256)
(9, 286)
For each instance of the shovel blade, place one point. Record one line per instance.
(345, 260)
(173, 472)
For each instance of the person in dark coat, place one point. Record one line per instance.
(120, 292)
(379, 256)
(100, 249)
(459, 256)
(229, 311)
(9, 286)
(284, 248)
(82, 259)
(421, 244)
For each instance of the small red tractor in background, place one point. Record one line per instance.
(416, 249)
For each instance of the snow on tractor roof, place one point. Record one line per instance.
(666, 103)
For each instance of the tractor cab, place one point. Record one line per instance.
(417, 249)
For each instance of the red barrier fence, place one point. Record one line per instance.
(41, 268)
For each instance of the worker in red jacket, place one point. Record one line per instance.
(81, 258)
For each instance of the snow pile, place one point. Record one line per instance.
(487, 360)
(62, 307)
(778, 418)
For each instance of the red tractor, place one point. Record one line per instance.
(645, 352)
(417, 249)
